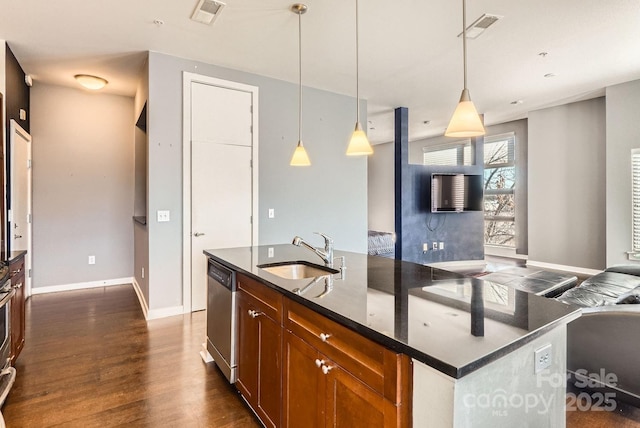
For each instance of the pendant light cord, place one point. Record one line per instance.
(357, 68)
(300, 76)
(464, 41)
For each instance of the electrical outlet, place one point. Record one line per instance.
(435, 246)
(272, 213)
(270, 252)
(542, 357)
(441, 245)
(425, 247)
(92, 260)
(163, 215)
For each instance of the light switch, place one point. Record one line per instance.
(272, 213)
(163, 215)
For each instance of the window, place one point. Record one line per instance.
(499, 190)
(635, 200)
(451, 153)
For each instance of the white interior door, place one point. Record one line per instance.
(221, 177)
(19, 232)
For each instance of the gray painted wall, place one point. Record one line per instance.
(330, 196)
(567, 185)
(82, 185)
(623, 134)
(381, 188)
(140, 232)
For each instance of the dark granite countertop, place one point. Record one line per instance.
(453, 323)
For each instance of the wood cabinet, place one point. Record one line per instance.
(260, 349)
(17, 275)
(334, 377)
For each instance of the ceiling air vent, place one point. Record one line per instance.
(480, 24)
(207, 11)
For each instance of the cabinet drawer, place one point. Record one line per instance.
(373, 364)
(262, 297)
(16, 268)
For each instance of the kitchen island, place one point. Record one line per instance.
(471, 343)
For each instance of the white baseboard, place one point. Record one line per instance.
(81, 285)
(498, 251)
(565, 268)
(143, 302)
(165, 312)
(457, 264)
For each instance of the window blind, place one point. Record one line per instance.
(635, 198)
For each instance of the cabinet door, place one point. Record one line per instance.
(350, 403)
(247, 382)
(17, 316)
(269, 401)
(259, 360)
(303, 385)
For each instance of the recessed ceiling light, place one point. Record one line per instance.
(158, 22)
(550, 75)
(543, 54)
(516, 102)
(426, 122)
(91, 82)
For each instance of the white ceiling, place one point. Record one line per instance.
(410, 54)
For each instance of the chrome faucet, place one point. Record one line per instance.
(326, 255)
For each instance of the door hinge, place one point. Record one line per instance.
(9, 216)
(251, 108)
(29, 273)
(250, 219)
(28, 163)
(29, 218)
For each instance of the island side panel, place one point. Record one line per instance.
(502, 393)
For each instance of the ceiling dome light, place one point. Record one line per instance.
(94, 83)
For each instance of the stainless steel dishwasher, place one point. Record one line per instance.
(221, 318)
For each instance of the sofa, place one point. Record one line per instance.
(603, 345)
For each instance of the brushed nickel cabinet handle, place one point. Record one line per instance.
(324, 337)
(319, 363)
(326, 369)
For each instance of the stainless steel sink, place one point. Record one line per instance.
(297, 270)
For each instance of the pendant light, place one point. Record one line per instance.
(465, 121)
(359, 143)
(300, 157)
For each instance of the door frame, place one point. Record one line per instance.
(15, 128)
(187, 80)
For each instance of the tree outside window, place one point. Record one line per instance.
(499, 190)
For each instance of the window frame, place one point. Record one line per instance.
(511, 162)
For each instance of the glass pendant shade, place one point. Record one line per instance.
(465, 121)
(300, 157)
(359, 143)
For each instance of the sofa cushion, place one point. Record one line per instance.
(628, 269)
(604, 288)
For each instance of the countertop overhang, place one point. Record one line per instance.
(451, 322)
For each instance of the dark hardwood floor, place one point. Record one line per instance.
(91, 360)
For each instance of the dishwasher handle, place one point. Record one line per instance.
(221, 274)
